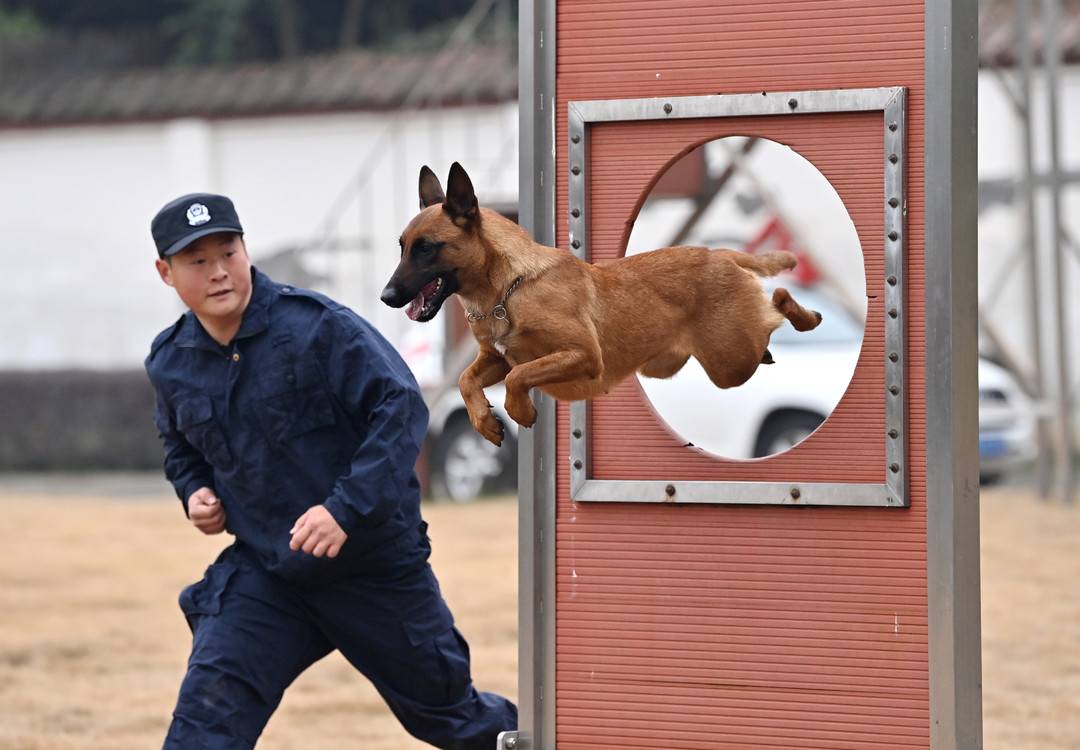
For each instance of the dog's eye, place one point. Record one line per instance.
(425, 249)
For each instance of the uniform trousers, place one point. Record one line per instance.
(254, 633)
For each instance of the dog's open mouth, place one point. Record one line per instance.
(428, 301)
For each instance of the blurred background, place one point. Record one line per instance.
(315, 117)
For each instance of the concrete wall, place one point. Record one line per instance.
(82, 293)
(1003, 279)
(76, 204)
(77, 420)
(83, 301)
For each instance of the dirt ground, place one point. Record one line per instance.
(93, 645)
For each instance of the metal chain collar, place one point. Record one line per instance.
(499, 311)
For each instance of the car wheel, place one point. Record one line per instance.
(466, 465)
(784, 429)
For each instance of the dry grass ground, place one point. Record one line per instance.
(1030, 623)
(92, 644)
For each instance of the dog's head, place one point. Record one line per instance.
(439, 247)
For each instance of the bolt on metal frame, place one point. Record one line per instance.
(892, 491)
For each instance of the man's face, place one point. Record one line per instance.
(212, 276)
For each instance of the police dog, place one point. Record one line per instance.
(545, 319)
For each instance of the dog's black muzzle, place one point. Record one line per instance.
(395, 296)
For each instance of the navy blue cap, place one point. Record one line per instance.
(189, 217)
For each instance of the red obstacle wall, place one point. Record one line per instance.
(723, 626)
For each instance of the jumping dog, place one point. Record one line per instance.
(546, 319)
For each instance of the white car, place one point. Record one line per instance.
(781, 404)
(1006, 422)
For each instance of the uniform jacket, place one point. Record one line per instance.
(308, 404)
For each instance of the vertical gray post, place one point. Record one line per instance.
(1063, 421)
(536, 446)
(1031, 246)
(952, 481)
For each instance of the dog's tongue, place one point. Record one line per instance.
(417, 305)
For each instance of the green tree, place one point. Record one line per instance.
(209, 31)
(19, 23)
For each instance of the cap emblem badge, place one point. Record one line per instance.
(197, 214)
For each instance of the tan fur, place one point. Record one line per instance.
(576, 329)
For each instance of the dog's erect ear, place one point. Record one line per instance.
(430, 190)
(460, 196)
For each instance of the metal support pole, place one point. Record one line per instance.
(1063, 418)
(536, 447)
(952, 408)
(1031, 243)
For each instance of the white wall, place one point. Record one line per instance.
(76, 204)
(1003, 278)
(75, 208)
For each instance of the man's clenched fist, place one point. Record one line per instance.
(205, 511)
(317, 533)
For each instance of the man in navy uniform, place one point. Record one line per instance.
(289, 422)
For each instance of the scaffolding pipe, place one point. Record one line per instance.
(1063, 421)
(1043, 469)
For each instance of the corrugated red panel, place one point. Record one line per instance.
(744, 627)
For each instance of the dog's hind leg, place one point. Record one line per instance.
(664, 365)
(801, 318)
(764, 264)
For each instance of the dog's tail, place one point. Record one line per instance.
(765, 264)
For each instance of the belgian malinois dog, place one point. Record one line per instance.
(546, 319)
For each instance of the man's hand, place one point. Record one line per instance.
(205, 511)
(317, 533)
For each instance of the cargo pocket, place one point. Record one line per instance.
(424, 623)
(195, 419)
(454, 655)
(203, 598)
(440, 660)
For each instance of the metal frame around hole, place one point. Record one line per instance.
(892, 492)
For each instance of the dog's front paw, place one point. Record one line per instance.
(489, 427)
(521, 409)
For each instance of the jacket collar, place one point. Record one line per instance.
(256, 317)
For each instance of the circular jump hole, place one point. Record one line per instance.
(757, 195)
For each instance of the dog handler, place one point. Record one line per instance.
(289, 422)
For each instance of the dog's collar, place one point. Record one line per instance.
(499, 311)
